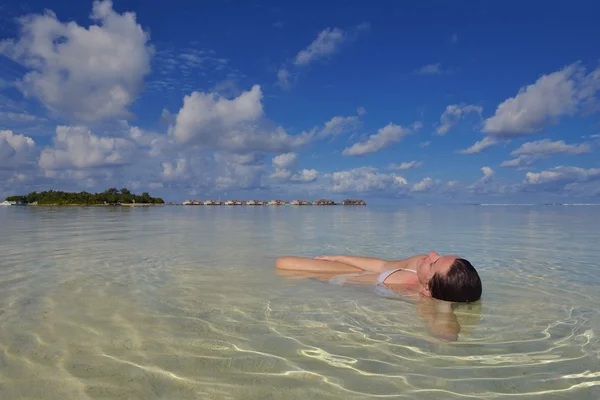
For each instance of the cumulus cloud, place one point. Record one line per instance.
(214, 122)
(387, 135)
(453, 114)
(285, 164)
(425, 185)
(366, 179)
(16, 150)
(405, 165)
(486, 183)
(234, 172)
(76, 147)
(480, 145)
(303, 176)
(82, 73)
(532, 151)
(175, 170)
(487, 174)
(285, 161)
(552, 96)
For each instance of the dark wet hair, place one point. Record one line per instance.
(460, 284)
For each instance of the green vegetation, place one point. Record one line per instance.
(110, 196)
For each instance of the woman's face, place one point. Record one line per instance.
(431, 264)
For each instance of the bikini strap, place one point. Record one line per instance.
(385, 274)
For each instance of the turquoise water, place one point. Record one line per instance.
(184, 303)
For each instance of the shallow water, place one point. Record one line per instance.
(184, 303)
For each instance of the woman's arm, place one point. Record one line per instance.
(374, 264)
(314, 265)
(363, 263)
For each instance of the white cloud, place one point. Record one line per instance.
(529, 152)
(306, 175)
(547, 147)
(480, 145)
(487, 173)
(485, 184)
(16, 150)
(366, 179)
(175, 170)
(208, 115)
(214, 122)
(562, 174)
(281, 174)
(425, 185)
(338, 125)
(327, 42)
(552, 96)
(234, 172)
(384, 137)
(453, 114)
(285, 161)
(285, 164)
(361, 111)
(21, 117)
(84, 74)
(405, 165)
(517, 162)
(75, 147)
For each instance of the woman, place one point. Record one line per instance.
(447, 278)
(432, 275)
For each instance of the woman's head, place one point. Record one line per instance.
(449, 278)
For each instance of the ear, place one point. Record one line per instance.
(425, 290)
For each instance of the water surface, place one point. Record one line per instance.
(184, 303)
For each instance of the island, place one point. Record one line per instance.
(110, 197)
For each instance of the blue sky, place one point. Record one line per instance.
(423, 102)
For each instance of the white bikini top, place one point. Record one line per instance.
(341, 279)
(385, 274)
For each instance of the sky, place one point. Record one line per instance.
(392, 102)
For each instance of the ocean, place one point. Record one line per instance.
(184, 302)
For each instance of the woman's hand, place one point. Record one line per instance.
(327, 258)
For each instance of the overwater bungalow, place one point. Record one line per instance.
(353, 202)
(323, 202)
(299, 203)
(213, 203)
(277, 203)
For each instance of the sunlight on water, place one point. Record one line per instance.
(184, 303)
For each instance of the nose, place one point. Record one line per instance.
(433, 255)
